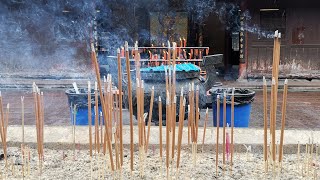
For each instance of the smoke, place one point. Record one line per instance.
(53, 37)
(228, 14)
(42, 36)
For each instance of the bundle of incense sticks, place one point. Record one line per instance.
(39, 115)
(3, 129)
(274, 93)
(107, 140)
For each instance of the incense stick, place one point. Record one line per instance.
(120, 105)
(273, 122)
(2, 130)
(265, 120)
(283, 118)
(205, 128)
(89, 118)
(96, 117)
(232, 126)
(217, 140)
(181, 122)
(150, 117)
(173, 125)
(74, 130)
(130, 104)
(160, 132)
(167, 131)
(224, 128)
(22, 119)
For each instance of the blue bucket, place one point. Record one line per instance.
(81, 100)
(82, 116)
(242, 108)
(241, 115)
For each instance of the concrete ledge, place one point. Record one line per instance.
(63, 135)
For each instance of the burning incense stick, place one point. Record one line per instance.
(130, 104)
(89, 118)
(283, 119)
(217, 140)
(205, 128)
(120, 104)
(106, 139)
(265, 119)
(150, 117)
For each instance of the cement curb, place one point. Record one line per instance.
(61, 136)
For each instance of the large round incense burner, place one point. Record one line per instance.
(186, 74)
(183, 71)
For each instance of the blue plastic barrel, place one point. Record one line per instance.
(81, 100)
(242, 107)
(241, 115)
(82, 116)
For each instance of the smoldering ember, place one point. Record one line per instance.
(159, 89)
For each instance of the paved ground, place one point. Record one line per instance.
(302, 111)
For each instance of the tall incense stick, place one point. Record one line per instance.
(273, 122)
(205, 128)
(283, 119)
(224, 128)
(2, 130)
(174, 109)
(22, 119)
(96, 117)
(89, 118)
(150, 117)
(130, 104)
(232, 126)
(120, 105)
(167, 131)
(217, 140)
(181, 122)
(265, 119)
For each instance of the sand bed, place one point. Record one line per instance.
(246, 166)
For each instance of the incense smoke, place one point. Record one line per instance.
(53, 37)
